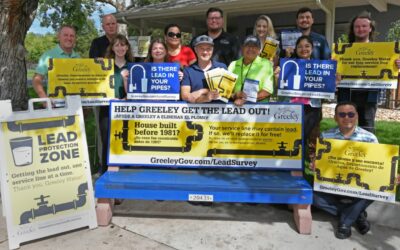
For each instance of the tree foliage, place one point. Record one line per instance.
(36, 44)
(393, 33)
(84, 38)
(55, 13)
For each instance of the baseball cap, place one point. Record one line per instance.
(252, 40)
(203, 39)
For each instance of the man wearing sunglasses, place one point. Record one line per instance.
(226, 46)
(350, 210)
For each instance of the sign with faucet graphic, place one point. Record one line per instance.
(153, 81)
(307, 78)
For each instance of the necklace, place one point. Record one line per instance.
(241, 73)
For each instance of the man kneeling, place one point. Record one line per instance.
(351, 211)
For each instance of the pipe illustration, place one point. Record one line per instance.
(392, 183)
(44, 209)
(340, 180)
(273, 152)
(343, 48)
(144, 80)
(63, 90)
(346, 181)
(296, 77)
(365, 76)
(321, 151)
(19, 126)
(188, 145)
(101, 61)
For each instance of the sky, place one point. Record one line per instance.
(35, 27)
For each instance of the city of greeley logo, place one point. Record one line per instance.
(81, 67)
(286, 114)
(364, 51)
(355, 152)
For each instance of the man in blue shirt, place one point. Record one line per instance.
(65, 49)
(350, 210)
(194, 87)
(304, 22)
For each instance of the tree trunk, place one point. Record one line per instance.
(16, 16)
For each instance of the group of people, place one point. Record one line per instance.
(218, 49)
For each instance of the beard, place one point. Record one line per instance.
(214, 30)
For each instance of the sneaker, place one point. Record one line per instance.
(362, 225)
(343, 232)
(118, 201)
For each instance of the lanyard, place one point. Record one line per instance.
(241, 73)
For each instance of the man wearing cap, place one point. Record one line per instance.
(254, 68)
(194, 87)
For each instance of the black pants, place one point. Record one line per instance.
(312, 118)
(103, 120)
(366, 116)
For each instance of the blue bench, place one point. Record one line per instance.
(275, 178)
(210, 185)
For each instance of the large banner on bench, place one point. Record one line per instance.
(357, 169)
(206, 135)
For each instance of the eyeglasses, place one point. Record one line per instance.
(344, 114)
(172, 34)
(215, 18)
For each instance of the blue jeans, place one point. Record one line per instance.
(346, 208)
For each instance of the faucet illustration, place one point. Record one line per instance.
(43, 209)
(144, 81)
(296, 78)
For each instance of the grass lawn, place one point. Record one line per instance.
(30, 73)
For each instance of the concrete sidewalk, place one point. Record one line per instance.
(180, 225)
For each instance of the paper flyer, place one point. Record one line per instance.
(250, 88)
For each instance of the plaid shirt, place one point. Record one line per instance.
(359, 134)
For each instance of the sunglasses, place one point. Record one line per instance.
(172, 34)
(344, 114)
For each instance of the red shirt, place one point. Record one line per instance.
(185, 56)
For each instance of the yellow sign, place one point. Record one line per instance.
(357, 169)
(140, 45)
(45, 171)
(367, 65)
(270, 48)
(221, 80)
(92, 79)
(206, 135)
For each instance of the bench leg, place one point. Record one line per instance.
(302, 218)
(104, 211)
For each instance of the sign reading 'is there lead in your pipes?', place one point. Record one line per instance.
(153, 81)
(307, 78)
(45, 171)
(166, 134)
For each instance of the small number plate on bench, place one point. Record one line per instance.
(201, 197)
